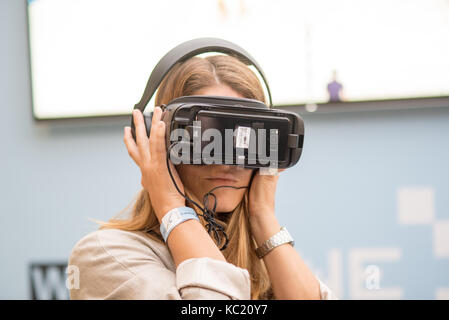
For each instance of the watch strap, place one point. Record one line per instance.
(280, 238)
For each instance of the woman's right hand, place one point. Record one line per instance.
(150, 156)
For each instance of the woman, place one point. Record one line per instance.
(129, 259)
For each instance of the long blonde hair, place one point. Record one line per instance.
(186, 79)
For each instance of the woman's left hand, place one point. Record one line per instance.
(262, 195)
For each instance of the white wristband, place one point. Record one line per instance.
(174, 217)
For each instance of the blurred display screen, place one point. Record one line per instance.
(94, 57)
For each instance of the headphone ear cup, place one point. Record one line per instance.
(147, 121)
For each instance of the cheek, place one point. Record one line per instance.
(190, 175)
(249, 174)
(245, 177)
(225, 199)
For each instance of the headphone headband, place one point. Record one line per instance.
(190, 49)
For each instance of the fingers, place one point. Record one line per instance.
(142, 152)
(157, 137)
(157, 114)
(131, 146)
(141, 137)
(270, 172)
(276, 175)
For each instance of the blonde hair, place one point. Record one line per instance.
(184, 79)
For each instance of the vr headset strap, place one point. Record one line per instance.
(190, 49)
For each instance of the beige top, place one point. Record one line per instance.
(117, 264)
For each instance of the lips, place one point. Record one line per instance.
(226, 178)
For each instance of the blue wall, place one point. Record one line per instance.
(340, 202)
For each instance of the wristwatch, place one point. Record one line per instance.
(282, 237)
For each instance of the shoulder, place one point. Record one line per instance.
(107, 258)
(129, 249)
(111, 238)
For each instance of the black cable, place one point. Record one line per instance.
(208, 214)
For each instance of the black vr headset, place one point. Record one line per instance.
(260, 136)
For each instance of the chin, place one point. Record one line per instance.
(227, 200)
